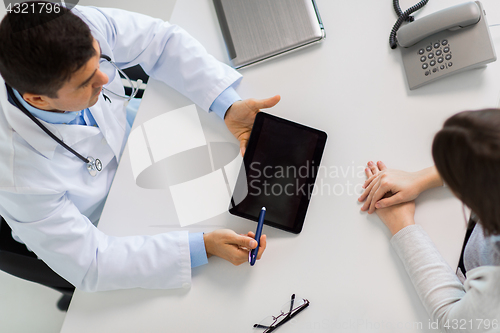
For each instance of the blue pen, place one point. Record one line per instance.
(252, 256)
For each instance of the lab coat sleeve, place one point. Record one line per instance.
(72, 246)
(165, 51)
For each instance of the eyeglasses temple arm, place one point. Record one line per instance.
(287, 318)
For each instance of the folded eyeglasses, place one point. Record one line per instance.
(289, 310)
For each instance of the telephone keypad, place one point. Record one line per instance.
(436, 53)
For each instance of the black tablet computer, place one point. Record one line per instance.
(279, 169)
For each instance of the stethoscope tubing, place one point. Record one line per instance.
(135, 90)
(93, 165)
(45, 129)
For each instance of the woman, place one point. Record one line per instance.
(466, 153)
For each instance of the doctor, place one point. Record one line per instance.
(62, 135)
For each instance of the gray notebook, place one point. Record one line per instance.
(256, 30)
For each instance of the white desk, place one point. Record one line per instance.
(352, 86)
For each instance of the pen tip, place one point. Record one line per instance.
(263, 208)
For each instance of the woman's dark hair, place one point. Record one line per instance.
(39, 51)
(466, 152)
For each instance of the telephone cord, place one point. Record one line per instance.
(399, 11)
(403, 16)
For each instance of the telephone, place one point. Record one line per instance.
(444, 43)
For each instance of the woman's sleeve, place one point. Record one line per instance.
(456, 307)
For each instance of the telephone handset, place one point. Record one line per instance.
(452, 18)
(446, 42)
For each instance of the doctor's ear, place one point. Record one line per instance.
(38, 101)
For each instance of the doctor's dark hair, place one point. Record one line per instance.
(466, 152)
(40, 51)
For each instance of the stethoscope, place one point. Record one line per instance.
(107, 60)
(94, 165)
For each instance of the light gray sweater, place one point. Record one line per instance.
(470, 307)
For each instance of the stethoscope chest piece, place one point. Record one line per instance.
(94, 166)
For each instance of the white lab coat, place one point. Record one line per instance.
(51, 201)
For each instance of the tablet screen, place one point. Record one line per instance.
(280, 167)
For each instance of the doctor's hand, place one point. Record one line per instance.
(387, 187)
(240, 117)
(232, 247)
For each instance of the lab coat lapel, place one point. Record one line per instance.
(35, 136)
(73, 134)
(111, 119)
(26, 128)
